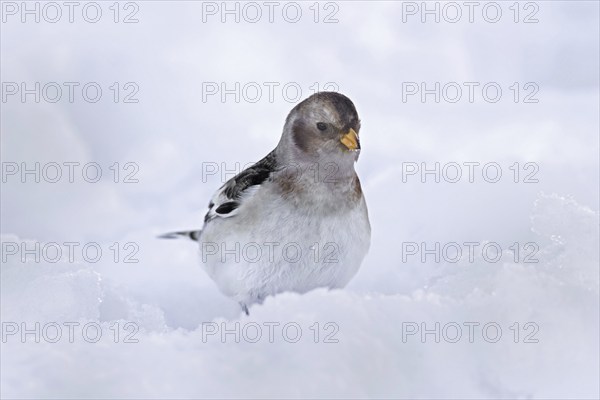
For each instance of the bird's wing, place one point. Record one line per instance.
(226, 201)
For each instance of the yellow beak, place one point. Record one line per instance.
(350, 140)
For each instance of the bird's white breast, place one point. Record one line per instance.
(276, 244)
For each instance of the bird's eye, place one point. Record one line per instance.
(321, 126)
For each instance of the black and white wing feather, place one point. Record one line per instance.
(227, 200)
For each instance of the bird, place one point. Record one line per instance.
(297, 219)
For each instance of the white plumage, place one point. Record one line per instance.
(297, 219)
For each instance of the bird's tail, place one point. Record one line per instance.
(192, 235)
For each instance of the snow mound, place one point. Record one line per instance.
(507, 330)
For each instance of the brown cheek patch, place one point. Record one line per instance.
(357, 189)
(304, 138)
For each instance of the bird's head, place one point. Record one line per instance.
(323, 128)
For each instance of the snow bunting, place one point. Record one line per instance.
(297, 219)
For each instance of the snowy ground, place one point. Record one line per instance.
(523, 326)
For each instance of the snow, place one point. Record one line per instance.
(370, 351)
(166, 331)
